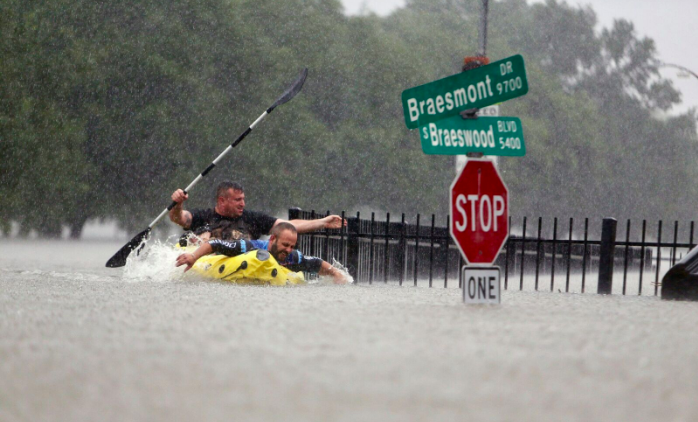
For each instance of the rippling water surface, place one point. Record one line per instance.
(80, 342)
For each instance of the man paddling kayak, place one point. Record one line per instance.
(281, 245)
(230, 206)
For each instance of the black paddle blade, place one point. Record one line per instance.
(119, 258)
(291, 91)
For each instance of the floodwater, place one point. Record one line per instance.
(80, 342)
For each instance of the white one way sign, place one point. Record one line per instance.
(481, 285)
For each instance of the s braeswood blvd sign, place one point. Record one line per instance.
(489, 135)
(494, 83)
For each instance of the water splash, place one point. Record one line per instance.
(342, 269)
(156, 262)
(348, 279)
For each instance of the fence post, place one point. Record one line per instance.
(607, 254)
(353, 228)
(294, 213)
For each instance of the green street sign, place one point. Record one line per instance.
(476, 88)
(501, 136)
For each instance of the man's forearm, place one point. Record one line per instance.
(327, 269)
(202, 250)
(189, 259)
(230, 247)
(180, 217)
(305, 226)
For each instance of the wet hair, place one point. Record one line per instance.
(223, 188)
(284, 225)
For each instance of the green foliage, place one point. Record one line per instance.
(107, 107)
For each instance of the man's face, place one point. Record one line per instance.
(280, 247)
(231, 204)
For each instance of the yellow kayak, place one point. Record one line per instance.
(254, 267)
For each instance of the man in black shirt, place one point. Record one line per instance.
(230, 206)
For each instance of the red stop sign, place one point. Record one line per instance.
(479, 221)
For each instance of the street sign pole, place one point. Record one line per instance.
(446, 113)
(483, 29)
(489, 111)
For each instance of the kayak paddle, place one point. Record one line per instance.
(119, 258)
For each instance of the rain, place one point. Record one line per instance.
(106, 109)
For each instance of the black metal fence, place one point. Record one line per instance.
(539, 255)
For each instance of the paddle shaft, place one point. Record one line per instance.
(213, 165)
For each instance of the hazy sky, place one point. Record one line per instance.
(672, 24)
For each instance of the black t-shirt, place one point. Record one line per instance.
(250, 225)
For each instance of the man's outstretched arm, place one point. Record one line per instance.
(305, 226)
(224, 247)
(337, 276)
(190, 258)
